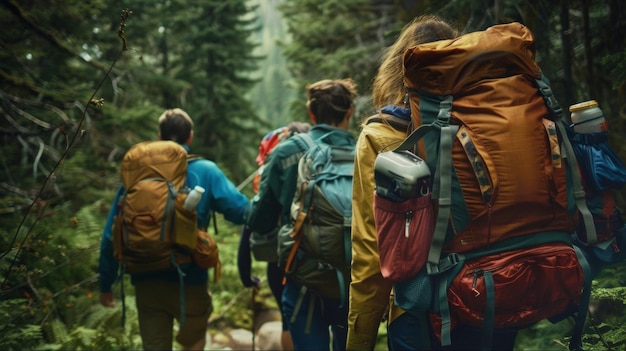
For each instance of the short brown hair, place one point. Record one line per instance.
(176, 125)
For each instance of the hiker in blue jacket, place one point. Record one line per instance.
(157, 293)
(330, 107)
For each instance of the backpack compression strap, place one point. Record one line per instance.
(442, 178)
(579, 192)
(304, 141)
(443, 193)
(305, 204)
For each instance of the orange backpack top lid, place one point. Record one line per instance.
(155, 159)
(448, 67)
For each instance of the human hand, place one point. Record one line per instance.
(253, 281)
(107, 299)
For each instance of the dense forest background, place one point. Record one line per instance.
(80, 82)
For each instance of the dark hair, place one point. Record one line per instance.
(330, 99)
(175, 125)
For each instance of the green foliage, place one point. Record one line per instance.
(275, 87)
(232, 302)
(17, 330)
(604, 329)
(616, 65)
(349, 45)
(98, 329)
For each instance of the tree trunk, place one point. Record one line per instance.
(588, 49)
(566, 42)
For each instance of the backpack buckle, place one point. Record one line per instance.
(553, 105)
(444, 264)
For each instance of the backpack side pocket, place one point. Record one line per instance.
(404, 234)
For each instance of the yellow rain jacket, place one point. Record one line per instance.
(370, 293)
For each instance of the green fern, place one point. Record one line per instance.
(604, 329)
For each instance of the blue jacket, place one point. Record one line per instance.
(220, 195)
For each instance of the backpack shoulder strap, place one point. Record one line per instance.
(396, 123)
(304, 141)
(193, 157)
(443, 120)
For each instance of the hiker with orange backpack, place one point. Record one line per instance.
(479, 244)
(369, 291)
(178, 283)
(263, 246)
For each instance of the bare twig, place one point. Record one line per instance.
(77, 133)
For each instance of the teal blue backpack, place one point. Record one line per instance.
(315, 251)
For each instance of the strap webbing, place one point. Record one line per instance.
(490, 311)
(305, 204)
(477, 163)
(347, 247)
(444, 311)
(442, 191)
(309, 315)
(575, 343)
(167, 226)
(342, 289)
(442, 178)
(298, 305)
(181, 283)
(579, 191)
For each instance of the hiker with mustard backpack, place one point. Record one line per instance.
(369, 292)
(312, 314)
(169, 284)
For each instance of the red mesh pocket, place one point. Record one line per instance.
(404, 233)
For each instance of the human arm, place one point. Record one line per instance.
(263, 212)
(221, 195)
(271, 206)
(108, 265)
(369, 291)
(244, 261)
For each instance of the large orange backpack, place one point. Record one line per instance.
(501, 255)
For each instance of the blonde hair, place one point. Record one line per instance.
(388, 86)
